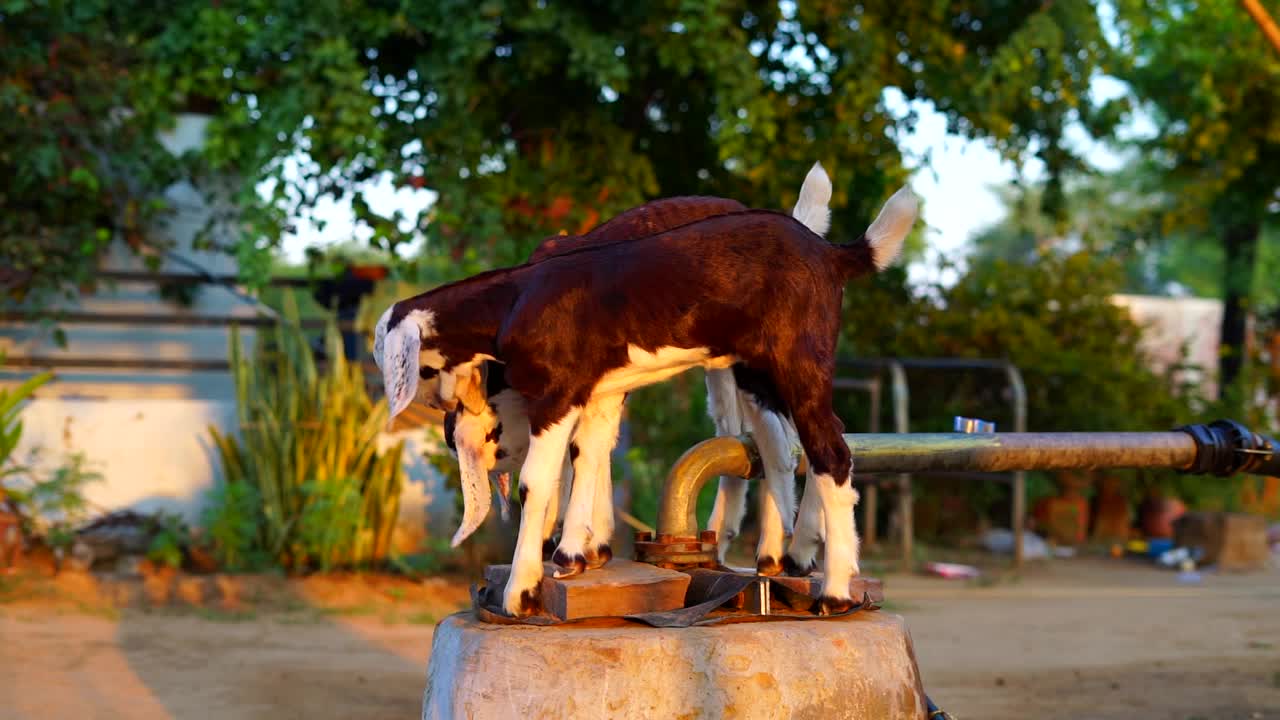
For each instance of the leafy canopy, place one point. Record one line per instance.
(526, 117)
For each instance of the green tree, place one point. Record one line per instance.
(78, 148)
(1053, 317)
(1210, 82)
(528, 117)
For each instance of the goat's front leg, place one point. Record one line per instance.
(594, 440)
(600, 551)
(537, 485)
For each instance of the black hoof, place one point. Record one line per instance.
(833, 605)
(571, 564)
(794, 569)
(548, 548)
(598, 557)
(530, 603)
(768, 566)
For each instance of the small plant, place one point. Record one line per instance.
(52, 508)
(231, 522)
(170, 540)
(10, 425)
(306, 458)
(330, 521)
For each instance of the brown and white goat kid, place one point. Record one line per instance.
(498, 437)
(589, 521)
(753, 287)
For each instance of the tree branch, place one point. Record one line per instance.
(1264, 21)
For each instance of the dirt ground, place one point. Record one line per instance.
(1085, 638)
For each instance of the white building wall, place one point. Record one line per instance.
(145, 431)
(1171, 324)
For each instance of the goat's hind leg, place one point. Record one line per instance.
(725, 408)
(777, 497)
(802, 555)
(831, 463)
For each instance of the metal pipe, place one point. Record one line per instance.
(1206, 449)
(700, 463)
(1019, 511)
(906, 495)
(871, 493)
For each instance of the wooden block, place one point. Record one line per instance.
(621, 587)
(812, 584)
(1232, 541)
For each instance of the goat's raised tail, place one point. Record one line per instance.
(881, 244)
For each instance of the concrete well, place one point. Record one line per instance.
(861, 666)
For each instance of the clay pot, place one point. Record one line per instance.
(1111, 521)
(1158, 514)
(201, 560)
(369, 272)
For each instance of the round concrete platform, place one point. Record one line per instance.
(861, 666)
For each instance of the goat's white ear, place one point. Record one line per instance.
(399, 361)
(891, 227)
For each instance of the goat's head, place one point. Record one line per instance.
(416, 366)
(417, 363)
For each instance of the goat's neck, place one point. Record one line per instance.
(469, 317)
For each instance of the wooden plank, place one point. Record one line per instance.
(156, 319)
(621, 587)
(195, 278)
(100, 363)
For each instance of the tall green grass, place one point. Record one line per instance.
(306, 458)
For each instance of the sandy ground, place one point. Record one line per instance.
(1075, 639)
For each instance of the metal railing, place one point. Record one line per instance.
(897, 367)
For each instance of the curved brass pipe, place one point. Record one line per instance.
(718, 456)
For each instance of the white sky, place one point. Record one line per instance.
(956, 188)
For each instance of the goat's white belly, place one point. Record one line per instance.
(646, 368)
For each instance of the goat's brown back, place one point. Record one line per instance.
(642, 221)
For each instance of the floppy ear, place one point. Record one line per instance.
(471, 391)
(476, 495)
(399, 362)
